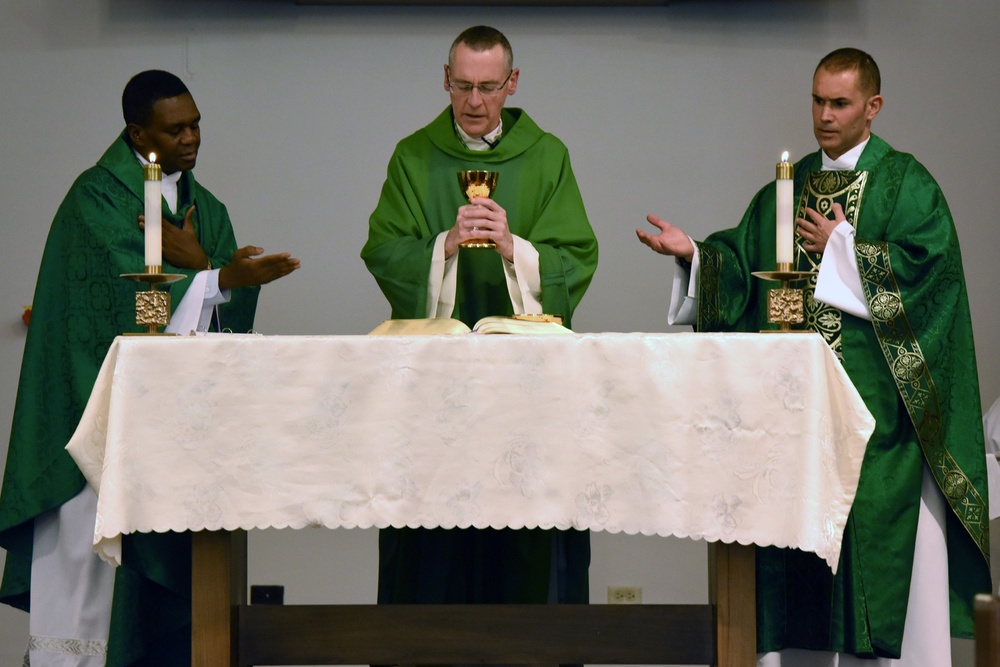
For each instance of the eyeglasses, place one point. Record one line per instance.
(486, 89)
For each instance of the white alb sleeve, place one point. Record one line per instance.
(684, 292)
(194, 312)
(839, 280)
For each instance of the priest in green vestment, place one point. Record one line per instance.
(544, 257)
(80, 305)
(888, 293)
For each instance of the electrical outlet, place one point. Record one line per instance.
(267, 595)
(624, 595)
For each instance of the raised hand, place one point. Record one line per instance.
(247, 269)
(670, 240)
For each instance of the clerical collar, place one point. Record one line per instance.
(168, 183)
(487, 142)
(848, 160)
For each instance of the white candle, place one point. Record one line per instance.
(783, 212)
(153, 213)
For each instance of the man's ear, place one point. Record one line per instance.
(874, 106)
(512, 82)
(136, 136)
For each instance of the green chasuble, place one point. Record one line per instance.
(420, 199)
(80, 305)
(914, 365)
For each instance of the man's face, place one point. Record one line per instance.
(842, 112)
(173, 133)
(476, 113)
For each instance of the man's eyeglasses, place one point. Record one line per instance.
(486, 89)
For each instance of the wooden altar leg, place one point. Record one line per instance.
(218, 588)
(732, 590)
(987, 617)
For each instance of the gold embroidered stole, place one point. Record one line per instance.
(821, 190)
(916, 387)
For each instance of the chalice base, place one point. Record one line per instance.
(477, 243)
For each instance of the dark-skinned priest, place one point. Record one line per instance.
(83, 611)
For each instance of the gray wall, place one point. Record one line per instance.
(680, 110)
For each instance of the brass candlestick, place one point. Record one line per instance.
(784, 304)
(478, 183)
(152, 307)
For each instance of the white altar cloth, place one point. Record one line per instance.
(749, 438)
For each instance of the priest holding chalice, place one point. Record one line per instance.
(440, 244)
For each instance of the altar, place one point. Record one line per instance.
(736, 439)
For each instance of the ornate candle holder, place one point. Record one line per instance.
(478, 183)
(784, 304)
(152, 307)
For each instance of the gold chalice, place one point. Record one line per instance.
(478, 183)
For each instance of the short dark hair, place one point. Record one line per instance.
(848, 58)
(483, 38)
(144, 90)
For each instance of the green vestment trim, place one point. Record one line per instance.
(80, 304)
(821, 190)
(916, 387)
(709, 300)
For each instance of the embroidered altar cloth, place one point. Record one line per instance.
(749, 438)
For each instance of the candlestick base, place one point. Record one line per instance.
(152, 307)
(784, 304)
